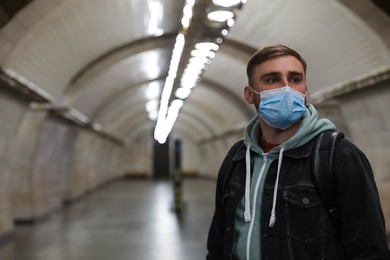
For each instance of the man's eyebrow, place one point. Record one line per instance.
(296, 73)
(270, 74)
(277, 74)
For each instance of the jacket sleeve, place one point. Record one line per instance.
(216, 233)
(216, 236)
(361, 221)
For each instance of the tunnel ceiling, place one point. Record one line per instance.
(104, 58)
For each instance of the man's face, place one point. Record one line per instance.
(276, 73)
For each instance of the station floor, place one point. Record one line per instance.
(125, 220)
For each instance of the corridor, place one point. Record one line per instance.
(102, 101)
(126, 220)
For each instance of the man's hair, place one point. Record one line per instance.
(270, 52)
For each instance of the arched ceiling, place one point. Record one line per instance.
(100, 57)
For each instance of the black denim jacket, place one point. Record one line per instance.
(304, 229)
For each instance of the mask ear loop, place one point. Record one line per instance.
(254, 91)
(305, 100)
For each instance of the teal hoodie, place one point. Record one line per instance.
(248, 212)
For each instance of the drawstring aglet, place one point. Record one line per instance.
(272, 220)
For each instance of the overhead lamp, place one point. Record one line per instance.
(197, 60)
(190, 77)
(226, 3)
(191, 72)
(183, 93)
(230, 22)
(96, 126)
(185, 22)
(191, 2)
(203, 53)
(152, 91)
(188, 82)
(156, 9)
(220, 16)
(211, 46)
(177, 104)
(187, 10)
(195, 67)
(151, 105)
(153, 115)
(187, 15)
(201, 57)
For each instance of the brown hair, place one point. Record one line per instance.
(270, 52)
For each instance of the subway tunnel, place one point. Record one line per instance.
(100, 97)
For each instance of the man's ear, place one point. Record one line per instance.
(248, 94)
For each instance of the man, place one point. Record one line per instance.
(267, 205)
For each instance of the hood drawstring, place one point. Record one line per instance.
(275, 195)
(247, 211)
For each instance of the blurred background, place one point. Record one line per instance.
(115, 115)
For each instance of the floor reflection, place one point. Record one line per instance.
(126, 220)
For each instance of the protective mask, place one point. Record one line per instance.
(281, 107)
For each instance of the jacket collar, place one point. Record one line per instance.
(240, 152)
(299, 152)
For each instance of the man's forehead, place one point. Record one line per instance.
(288, 64)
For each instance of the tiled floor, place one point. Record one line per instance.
(126, 220)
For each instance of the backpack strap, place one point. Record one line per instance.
(322, 168)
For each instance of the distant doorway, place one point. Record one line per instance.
(161, 160)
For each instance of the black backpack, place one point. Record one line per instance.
(322, 168)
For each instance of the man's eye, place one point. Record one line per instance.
(296, 80)
(272, 80)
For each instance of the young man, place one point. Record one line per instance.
(267, 205)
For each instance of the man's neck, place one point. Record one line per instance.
(276, 136)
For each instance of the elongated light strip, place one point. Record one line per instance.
(162, 127)
(167, 115)
(202, 55)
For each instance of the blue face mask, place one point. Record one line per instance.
(281, 107)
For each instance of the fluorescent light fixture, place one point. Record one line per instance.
(230, 22)
(226, 3)
(192, 72)
(203, 53)
(194, 65)
(177, 104)
(182, 93)
(152, 90)
(220, 16)
(198, 60)
(187, 11)
(185, 22)
(188, 83)
(207, 46)
(187, 15)
(202, 56)
(191, 2)
(156, 11)
(153, 115)
(162, 126)
(97, 126)
(151, 105)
